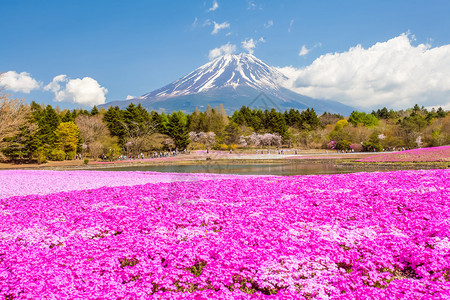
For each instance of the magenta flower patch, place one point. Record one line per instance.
(436, 154)
(350, 236)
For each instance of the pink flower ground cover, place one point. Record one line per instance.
(416, 155)
(350, 236)
(27, 182)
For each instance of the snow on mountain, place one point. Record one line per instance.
(234, 81)
(225, 71)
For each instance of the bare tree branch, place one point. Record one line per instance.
(136, 134)
(13, 115)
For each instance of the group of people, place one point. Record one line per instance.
(279, 151)
(345, 151)
(153, 155)
(398, 149)
(164, 154)
(131, 157)
(141, 155)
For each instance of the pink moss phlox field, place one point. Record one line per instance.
(27, 182)
(415, 155)
(350, 236)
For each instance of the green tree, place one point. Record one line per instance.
(441, 113)
(67, 138)
(249, 118)
(160, 121)
(411, 127)
(177, 130)
(357, 117)
(310, 119)
(293, 118)
(232, 133)
(94, 111)
(274, 122)
(48, 121)
(68, 117)
(114, 121)
(340, 136)
(197, 121)
(373, 144)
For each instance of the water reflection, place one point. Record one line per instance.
(254, 169)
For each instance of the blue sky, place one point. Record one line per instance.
(134, 47)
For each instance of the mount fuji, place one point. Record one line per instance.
(234, 81)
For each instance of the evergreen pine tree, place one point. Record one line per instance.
(195, 121)
(48, 123)
(114, 121)
(74, 114)
(177, 130)
(67, 117)
(94, 111)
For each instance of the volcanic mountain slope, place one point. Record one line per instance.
(234, 81)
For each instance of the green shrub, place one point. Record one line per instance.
(70, 155)
(370, 147)
(86, 161)
(57, 155)
(41, 156)
(343, 145)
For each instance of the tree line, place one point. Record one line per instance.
(33, 132)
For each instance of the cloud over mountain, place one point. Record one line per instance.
(222, 50)
(249, 45)
(394, 73)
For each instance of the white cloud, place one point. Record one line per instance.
(18, 82)
(207, 22)
(251, 4)
(291, 23)
(262, 40)
(269, 24)
(222, 50)
(214, 6)
(129, 97)
(249, 45)
(220, 26)
(394, 73)
(85, 91)
(303, 51)
(195, 23)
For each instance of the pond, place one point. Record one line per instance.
(282, 169)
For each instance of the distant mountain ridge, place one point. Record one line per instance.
(234, 81)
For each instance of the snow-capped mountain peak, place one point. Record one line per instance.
(225, 71)
(234, 81)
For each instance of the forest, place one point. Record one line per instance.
(38, 133)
